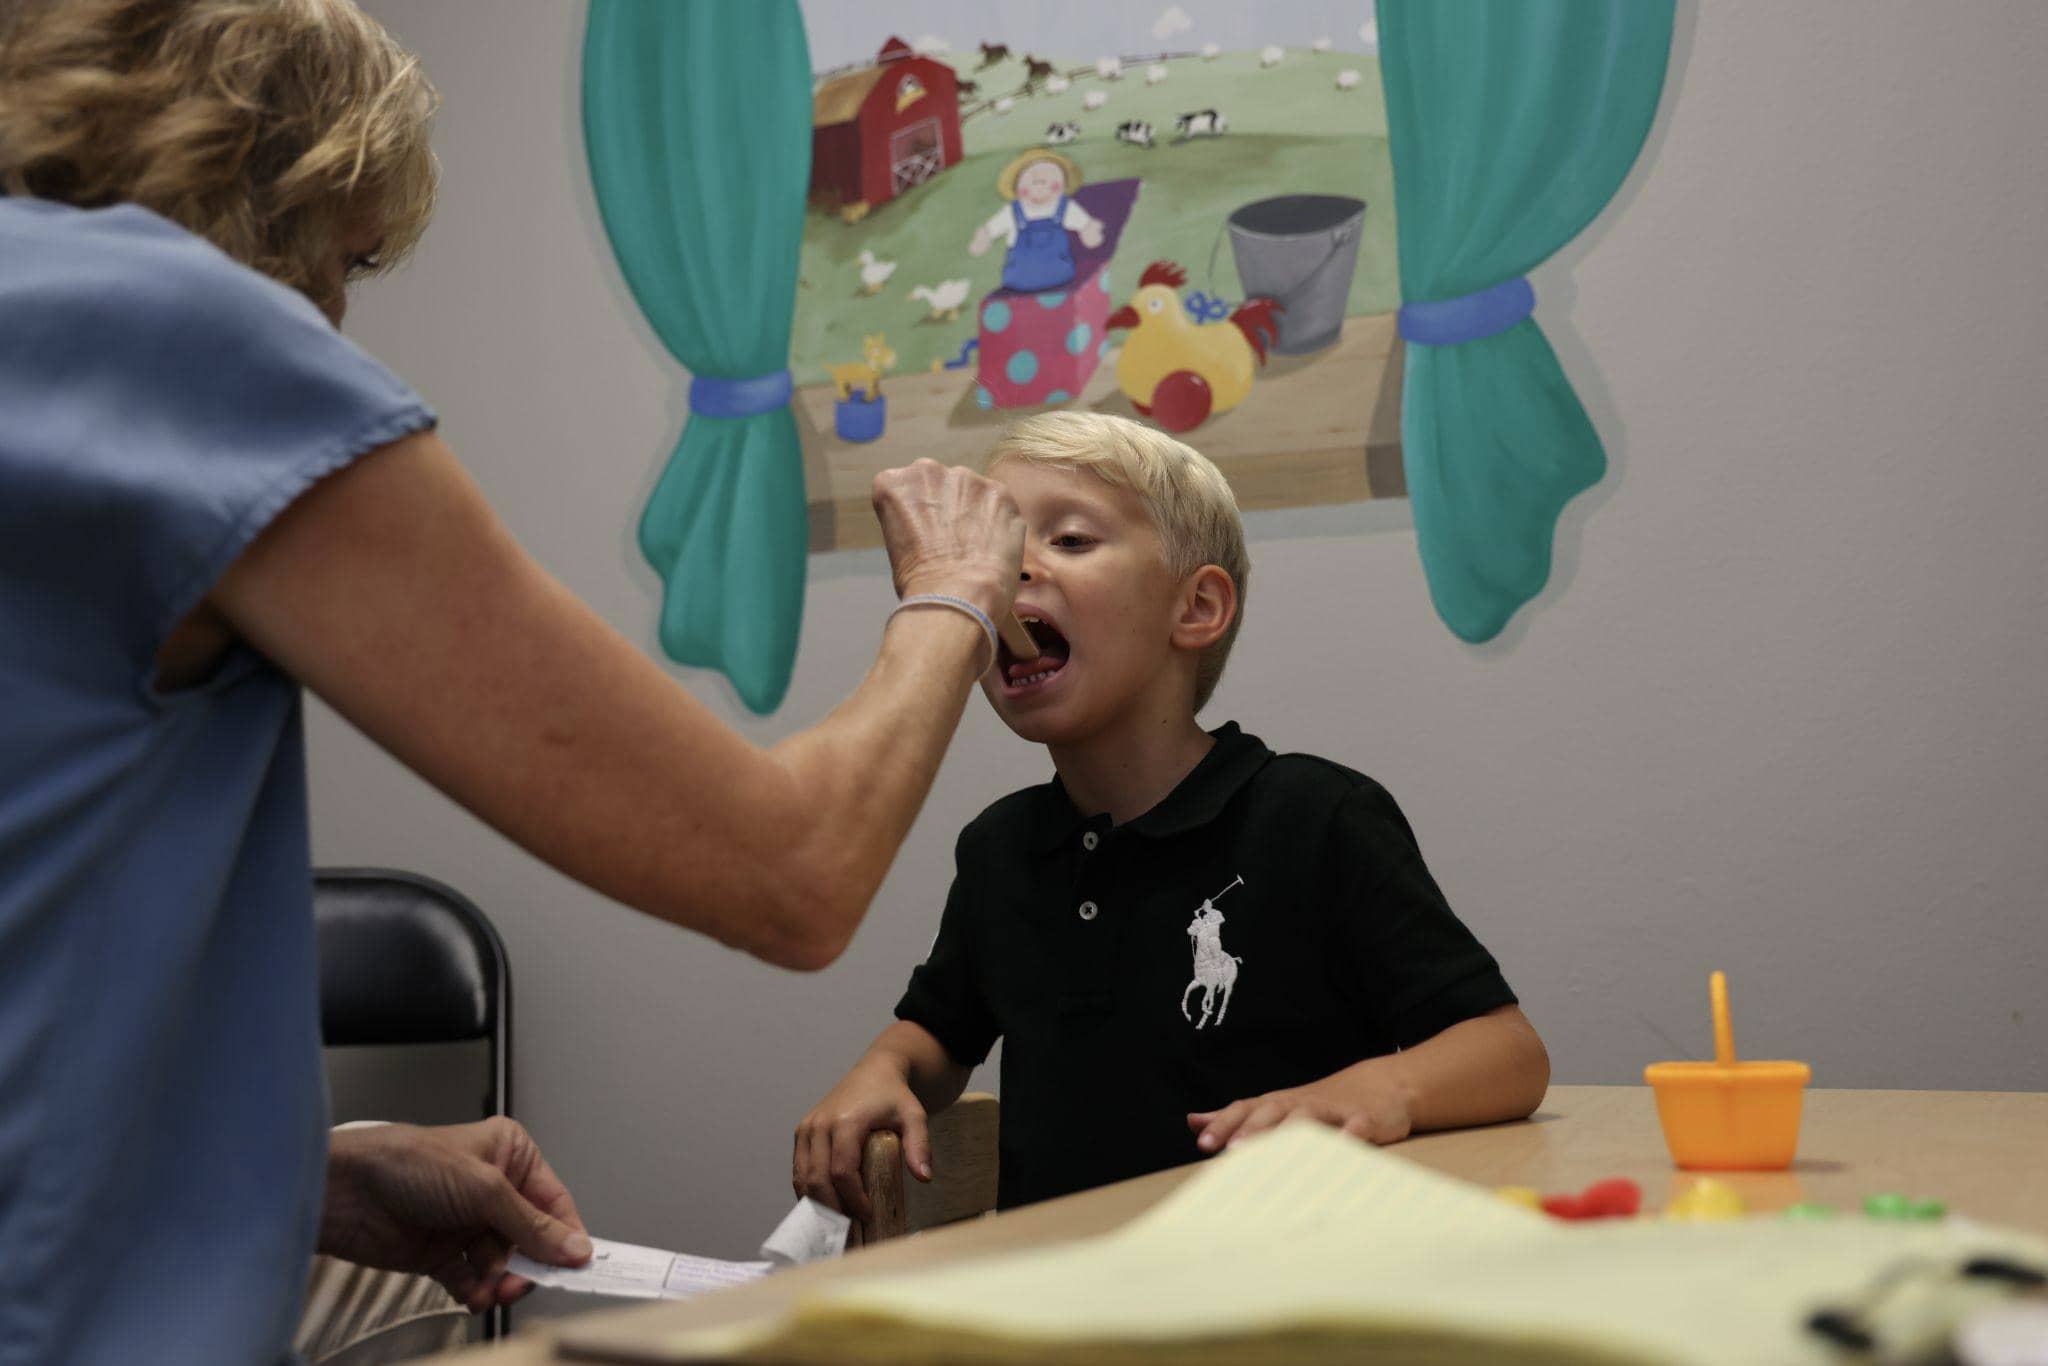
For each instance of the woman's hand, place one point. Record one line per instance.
(826, 1161)
(451, 1203)
(949, 530)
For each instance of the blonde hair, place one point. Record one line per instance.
(1190, 501)
(272, 128)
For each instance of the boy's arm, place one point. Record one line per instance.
(905, 1075)
(925, 1065)
(1489, 1068)
(910, 1069)
(1426, 984)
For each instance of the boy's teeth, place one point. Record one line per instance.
(1018, 670)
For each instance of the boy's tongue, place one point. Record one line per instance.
(1053, 652)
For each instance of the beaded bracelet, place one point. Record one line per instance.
(959, 605)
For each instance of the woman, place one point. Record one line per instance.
(209, 497)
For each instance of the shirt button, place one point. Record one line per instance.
(1090, 840)
(1088, 909)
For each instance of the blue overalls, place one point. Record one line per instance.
(1040, 258)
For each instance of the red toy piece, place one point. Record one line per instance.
(1181, 401)
(1615, 1198)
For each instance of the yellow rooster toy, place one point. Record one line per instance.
(1176, 370)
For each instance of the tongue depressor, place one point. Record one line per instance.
(1017, 636)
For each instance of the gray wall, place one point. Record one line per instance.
(1779, 712)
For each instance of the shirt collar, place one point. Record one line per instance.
(1195, 801)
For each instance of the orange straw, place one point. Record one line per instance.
(1724, 1029)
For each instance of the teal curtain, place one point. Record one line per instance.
(1511, 123)
(697, 122)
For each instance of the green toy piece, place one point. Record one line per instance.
(1894, 1205)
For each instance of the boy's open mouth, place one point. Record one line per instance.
(1019, 673)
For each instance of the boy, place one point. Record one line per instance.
(1183, 938)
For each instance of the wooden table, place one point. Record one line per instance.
(1981, 1151)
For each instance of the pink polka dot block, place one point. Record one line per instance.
(1042, 348)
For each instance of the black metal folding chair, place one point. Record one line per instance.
(406, 960)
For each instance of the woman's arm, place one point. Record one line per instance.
(392, 591)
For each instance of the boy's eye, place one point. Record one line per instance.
(1072, 540)
(365, 264)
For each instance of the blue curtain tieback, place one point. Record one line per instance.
(711, 396)
(1445, 322)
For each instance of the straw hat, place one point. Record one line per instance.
(1006, 183)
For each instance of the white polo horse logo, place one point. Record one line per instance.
(1215, 970)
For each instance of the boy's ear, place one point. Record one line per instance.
(1208, 604)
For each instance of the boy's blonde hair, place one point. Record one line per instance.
(272, 128)
(1190, 501)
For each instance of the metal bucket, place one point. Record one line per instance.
(1299, 250)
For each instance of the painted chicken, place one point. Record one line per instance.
(1176, 370)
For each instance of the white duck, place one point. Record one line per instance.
(944, 299)
(873, 273)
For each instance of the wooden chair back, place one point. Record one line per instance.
(963, 1184)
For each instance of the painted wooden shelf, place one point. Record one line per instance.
(1324, 428)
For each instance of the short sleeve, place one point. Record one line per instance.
(1000, 225)
(1076, 218)
(943, 996)
(1411, 964)
(164, 404)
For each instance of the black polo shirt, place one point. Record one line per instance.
(1284, 893)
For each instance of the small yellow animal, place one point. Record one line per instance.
(864, 374)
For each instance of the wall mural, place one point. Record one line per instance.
(1167, 229)
(1297, 244)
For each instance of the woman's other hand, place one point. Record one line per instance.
(950, 530)
(452, 1203)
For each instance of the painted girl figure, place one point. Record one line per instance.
(1035, 221)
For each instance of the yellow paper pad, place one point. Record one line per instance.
(1307, 1246)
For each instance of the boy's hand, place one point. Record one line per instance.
(829, 1140)
(1361, 1106)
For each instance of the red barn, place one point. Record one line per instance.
(878, 131)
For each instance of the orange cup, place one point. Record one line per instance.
(1727, 1115)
